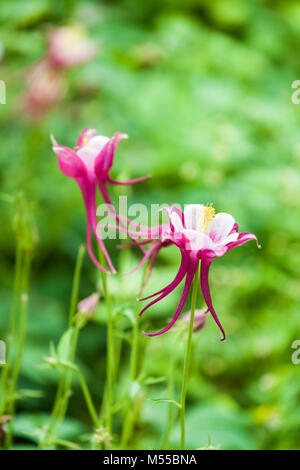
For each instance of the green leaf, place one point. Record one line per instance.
(32, 425)
(64, 345)
(158, 401)
(67, 444)
(226, 427)
(26, 393)
(153, 380)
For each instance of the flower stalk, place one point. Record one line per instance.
(110, 365)
(12, 324)
(171, 386)
(65, 381)
(187, 360)
(130, 414)
(18, 333)
(26, 239)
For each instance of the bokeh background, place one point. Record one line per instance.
(203, 90)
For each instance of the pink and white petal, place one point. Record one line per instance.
(197, 241)
(207, 254)
(92, 149)
(232, 237)
(174, 210)
(204, 270)
(105, 157)
(176, 222)
(88, 194)
(88, 155)
(98, 142)
(220, 250)
(192, 215)
(235, 228)
(243, 237)
(68, 161)
(221, 226)
(188, 282)
(84, 137)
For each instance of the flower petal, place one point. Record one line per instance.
(84, 137)
(197, 241)
(243, 237)
(232, 237)
(235, 228)
(149, 270)
(146, 256)
(179, 276)
(192, 215)
(104, 160)
(221, 226)
(89, 197)
(98, 142)
(176, 222)
(176, 218)
(68, 161)
(172, 286)
(188, 281)
(128, 182)
(205, 265)
(92, 149)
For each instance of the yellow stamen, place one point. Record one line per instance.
(207, 216)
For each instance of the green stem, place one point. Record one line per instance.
(76, 282)
(129, 415)
(88, 399)
(135, 346)
(22, 320)
(188, 358)
(20, 341)
(16, 296)
(136, 335)
(12, 324)
(21, 337)
(171, 385)
(110, 366)
(66, 392)
(65, 380)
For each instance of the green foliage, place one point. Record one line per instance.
(203, 90)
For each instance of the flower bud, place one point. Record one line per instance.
(88, 305)
(199, 318)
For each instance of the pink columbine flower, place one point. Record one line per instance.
(201, 235)
(68, 46)
(89, 164)
(45, 87)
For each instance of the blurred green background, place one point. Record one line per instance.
(203, 90)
